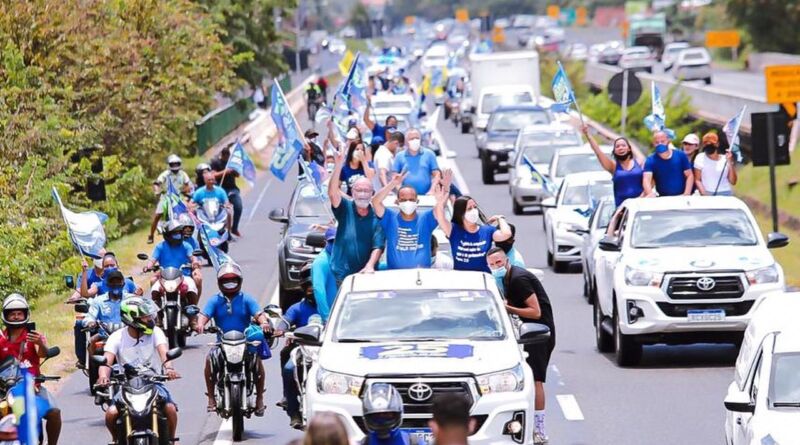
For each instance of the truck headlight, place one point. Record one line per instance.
(504, 381)
(329, 382)
(299, 245)
(638, 277)
(764, 275)
(569, 226)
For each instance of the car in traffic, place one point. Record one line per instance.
(567, 214)
(435, 57)
(495, 97)
(426, 332)
(495, 144)
(693, 64)
(763, 400)
(670, 54)
(305, 209)
(536, 145)
(598, 223)
(337, 46)
(609, 54)
(637, 58)
(574, 160)
(681, 269)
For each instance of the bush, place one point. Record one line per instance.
(129, 77)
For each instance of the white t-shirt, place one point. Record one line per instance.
(136, 352)
(383, 159)
(711, 171)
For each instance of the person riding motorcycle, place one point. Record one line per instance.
(28, 347)
(180, 182)
(105, 308)
(173, 252)
(297, 316)
(383, 414)
(199, 171)
(313, 98)
(188, 236)
(138, 345)
(232, 310)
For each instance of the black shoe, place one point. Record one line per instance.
(282, 403)
(296, 421)
(80, 365)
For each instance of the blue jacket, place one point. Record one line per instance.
(324, 284)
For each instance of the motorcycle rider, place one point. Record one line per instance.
(173, 252)
(199, 171)
(232, 310)
(180, 181)
(313, 97)
(297, 316)
(187, 225)
(106, 307)
(28, 347)
(383, 414)
(212, 191)
(142, 340)
(226, 177)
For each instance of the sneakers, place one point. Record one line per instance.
(296, 421)
(540, 439)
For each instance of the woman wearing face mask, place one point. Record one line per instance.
(626, 168)
(714, 169)
(470, 241)
(356, 165)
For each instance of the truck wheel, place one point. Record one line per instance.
(516, 208)
(560, 266)
(465, 127)
(707, 80)
(629, 352)
(604, 341)
(487, 172)
(549, 259)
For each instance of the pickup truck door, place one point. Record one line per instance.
(606, 262)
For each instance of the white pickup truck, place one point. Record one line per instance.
(499, 79)
(426, 332)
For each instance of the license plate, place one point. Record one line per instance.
(423, 436)
(702, 316)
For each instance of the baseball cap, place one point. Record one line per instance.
(710, 139)
(691, 138)
(311, 134)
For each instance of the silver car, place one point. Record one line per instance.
(598, 223)
(536, 144)
(693, 64)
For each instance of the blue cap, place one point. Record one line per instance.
(662, 148)
(330, 234)
(352, 123)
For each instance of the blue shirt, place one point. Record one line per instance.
(191, 241)
(420, 167)
(668, 174)
(627, 183)
(408, 243)
(324, 284)
(129, 288)
(91, 278)
(168, 255)
(378, 134)
(217, 193)
(356, 237)
(104, 309)
(243, 309)
(349, 173)
(298, 314)
(469, 249)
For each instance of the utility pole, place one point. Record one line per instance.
(297, 37)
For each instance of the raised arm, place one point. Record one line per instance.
(367, 117)
(732, 175)
(334, 187)
(377, 200)
(605, 161)
(503, 231)
(442, 197)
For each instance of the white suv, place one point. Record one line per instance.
(426, 332)
(680, 270)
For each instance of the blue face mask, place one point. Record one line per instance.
(499, 273)
(661, 148)
(116, 291)
(176, 235)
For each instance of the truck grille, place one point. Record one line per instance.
(731, 309)
(412, 406)
(696, 287)
(421, 423)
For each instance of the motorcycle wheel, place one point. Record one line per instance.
(171, 330)
(237, 416)
(93, 375)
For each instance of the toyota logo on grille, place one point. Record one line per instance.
(420, 392)
(706, 283)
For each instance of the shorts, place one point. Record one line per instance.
(539, 358)
(162, 203)
(45, 395)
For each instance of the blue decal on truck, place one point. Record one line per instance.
(413, 350)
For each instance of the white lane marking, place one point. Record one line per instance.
(225, 433)
(276, 299)
(569, 406)
(462, 183)
(559, 380)
(258, 201)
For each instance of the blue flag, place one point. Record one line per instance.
(655, 121)
(241, 163)
(548, 185)
(210, 242)
(290, 141)
(587, 212)
(175, 204)
(26, 409)
(85, 230)
(354, 87)
(562, 91)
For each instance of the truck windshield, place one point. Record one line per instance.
(586, 194)
(692, 228)
(516, 120)
(492, 101)
(785, 386)
(419, 315)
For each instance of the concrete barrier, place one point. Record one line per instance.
(757, 61)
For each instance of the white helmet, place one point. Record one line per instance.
(172, 160)
(16, 302)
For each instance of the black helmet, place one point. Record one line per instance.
(383, 409)
(173, 232)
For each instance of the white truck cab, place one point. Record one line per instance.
(426, 332)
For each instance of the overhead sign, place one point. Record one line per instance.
(553, 11)
(581, 18)
(783, 83)
(462, 15)
(616, 88)
(723, 39)
(410, 19)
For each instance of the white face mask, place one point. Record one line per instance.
(361, 203)
(408, 207)
(98, 263)
(472, 216)
(413, 144)
(230, 285)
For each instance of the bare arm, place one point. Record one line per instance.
(377, 200)
(732, 175)
(374, 257)
(698, 182)
(503, 231)
(84, 289)
(334, 187)
(608, 164)
(647, 184)
(367, 118)
(436, 176)
(531, 310)
(442, 196)
(687, 190)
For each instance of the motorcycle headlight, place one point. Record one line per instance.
(171, 286)
(299, 245)
(568, 226)
(503, 381)
(764, 275)
(234, 353)
(139, 402)
(335, 383)
(637, 277)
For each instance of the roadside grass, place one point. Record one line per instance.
(355, 45)
(754, 182)
(788, 257)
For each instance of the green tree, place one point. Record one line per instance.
(772, 25)
(359, 19)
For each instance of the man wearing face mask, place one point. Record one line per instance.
(359, 236)
(408, 233)
(384, 159)
(714, 169)
(105, 308)
(525, 297)
(173, 252)
(667, 171)
(322, 277)
(420, 163)
(231, 309)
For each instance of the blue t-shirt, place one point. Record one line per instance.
(173, 256)
(349, 173)
(378, 134)
(324, 284)
(420, 167)
(469, 249)
(627, 183)
(408, 243)
(243, 308)
(91, 278)
(129, 288)
(356, 237)
(668, 174)
(298, 314)
(191, 241)
(217, 193)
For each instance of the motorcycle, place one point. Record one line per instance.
(215, 218)
(91, 368)
(303, 357)
(141, 420)
(314, 106)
